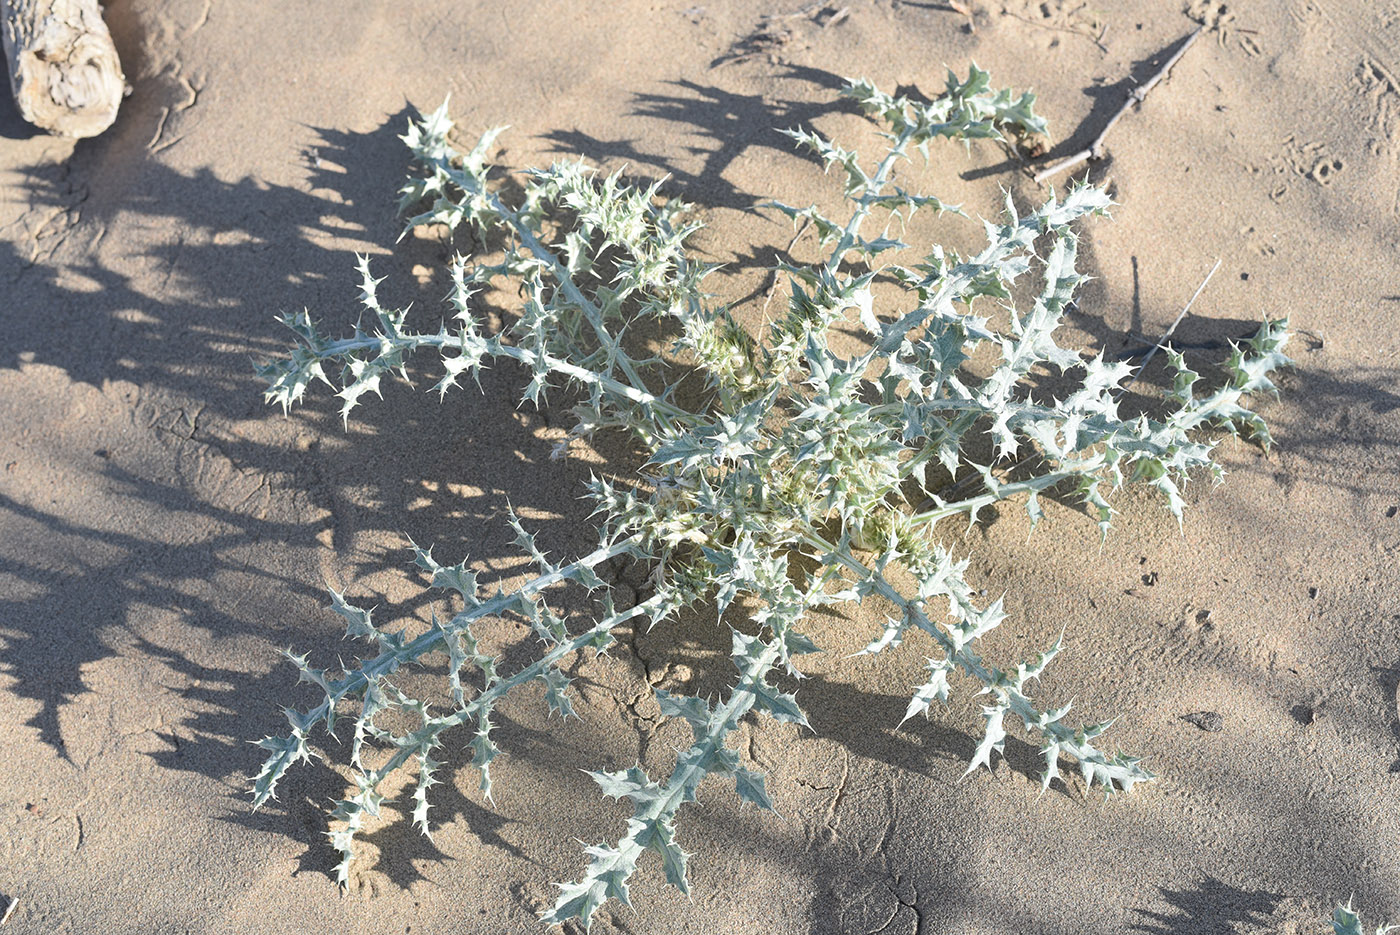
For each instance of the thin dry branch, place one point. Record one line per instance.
(1165, 337)
(1138, 94)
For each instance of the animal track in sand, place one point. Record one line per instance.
(1215, 16)
(1218, 18)
(1325, 170)
(1311, 160)
(1382, 92)
(1256, 241)
(1073, 17)
(1378, 84)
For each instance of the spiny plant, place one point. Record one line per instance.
(1345, 921)
(801, 477)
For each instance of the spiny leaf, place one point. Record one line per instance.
(357, 620)
(780, 705)
(750, 787)
(1345, 921)
(935, 689)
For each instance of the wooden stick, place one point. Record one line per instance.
(1095, 149)
(64, 69)
(1148, 359)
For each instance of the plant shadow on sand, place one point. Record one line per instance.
(216, 505)
(184, 338)
(1210, 908)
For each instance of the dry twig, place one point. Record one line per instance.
(1095, 149)
(1148, 359)
(836, 17)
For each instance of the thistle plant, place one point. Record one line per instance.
(1345, 921)
(799, 478)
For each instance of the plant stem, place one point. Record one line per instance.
(446, 341)
(390, 659)
(867, 197)
(410, 743)
(566, 283)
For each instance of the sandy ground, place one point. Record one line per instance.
(162, 533)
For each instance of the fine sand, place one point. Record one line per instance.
(163, 533)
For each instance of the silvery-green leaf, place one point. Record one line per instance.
(750, 787)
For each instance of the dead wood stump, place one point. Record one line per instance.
(64, 69)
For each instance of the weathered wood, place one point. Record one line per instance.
(1095, 150)
(64, 69)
